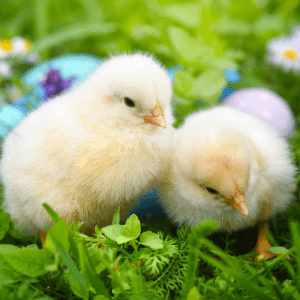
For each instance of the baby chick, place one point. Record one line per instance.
(85, 151)
(231, 167)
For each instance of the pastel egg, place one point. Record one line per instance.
(266, 105)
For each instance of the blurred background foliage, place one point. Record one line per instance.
(204, 37)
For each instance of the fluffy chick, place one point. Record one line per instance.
(231, 167)
(85, 151)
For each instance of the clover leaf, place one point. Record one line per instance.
(151, 240)
(132, 228)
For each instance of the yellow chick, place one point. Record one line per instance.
(231, 167)
(85, 151)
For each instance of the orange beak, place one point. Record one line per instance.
(239, 202)
(156, 118)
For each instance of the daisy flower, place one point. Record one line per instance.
(285, 53)
(5, 70)
(17, 46)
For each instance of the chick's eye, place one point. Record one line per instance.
(128, 102)
(211, 191)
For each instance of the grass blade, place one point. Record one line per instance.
(296, 243)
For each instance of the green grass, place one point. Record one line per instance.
(178, 264)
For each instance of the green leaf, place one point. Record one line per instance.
(189, 48)
(77, 288)
(116, 218)
(268, 26)
(4, 225)
(51, 212)
(123, 239)
(224, 63)
(30, 262)
(183, 83)
(141, 31)
(208, 84)
(209, 17)
(60, 232)
(269, 22)
(132, 228)
(59, 247)
(278, 250)
(227, 25)
(193, 294)
(4, 249)
(7, 274)
(125, 272)
(88, 270)
(244, 10)
(188, 14)
(113, 231)
(33, 246)
(151, 240)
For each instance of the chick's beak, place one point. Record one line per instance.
(239, 202)
(156, 118)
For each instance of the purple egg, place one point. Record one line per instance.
(266, 105)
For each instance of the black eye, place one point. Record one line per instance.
(210, 190)
(128, 102)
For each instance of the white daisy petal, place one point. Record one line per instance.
(20, 46)
(5, 70)
(296, 31)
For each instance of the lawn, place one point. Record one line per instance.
(158, 260)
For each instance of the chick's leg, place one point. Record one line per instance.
(263, 243)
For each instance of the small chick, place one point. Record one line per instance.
(231, 167)
(85, 151)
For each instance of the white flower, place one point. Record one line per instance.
(5, 70)
(285, 52)
(14, 47)
(20, 46)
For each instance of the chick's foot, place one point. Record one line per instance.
(263, 244)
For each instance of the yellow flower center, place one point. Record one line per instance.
(290, 54)
(28, 45)
(6, 45)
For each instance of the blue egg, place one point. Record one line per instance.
(9, 118)
(149, 208)
(232, 76)
(227, 91)
(79, 65)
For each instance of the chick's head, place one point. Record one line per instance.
(216, 167)
(136, 88)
